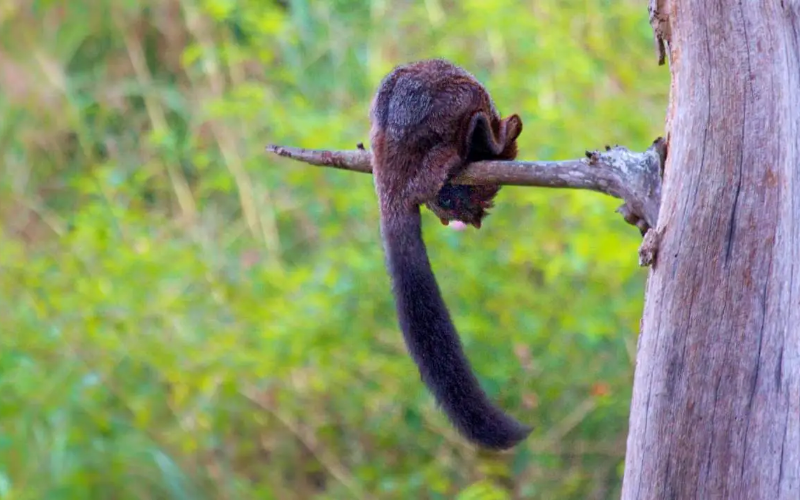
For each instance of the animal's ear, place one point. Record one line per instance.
(510, 128)
(480, 141)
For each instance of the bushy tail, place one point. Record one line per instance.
(433, 341)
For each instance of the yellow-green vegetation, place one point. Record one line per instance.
(185, 317)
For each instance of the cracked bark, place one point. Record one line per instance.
(716, 400)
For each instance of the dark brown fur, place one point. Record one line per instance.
(429, 119)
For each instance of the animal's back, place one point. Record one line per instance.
(423, 98)
(417, 107)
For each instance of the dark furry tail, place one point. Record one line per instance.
(433, 341)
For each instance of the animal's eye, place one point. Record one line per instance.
(445, 197)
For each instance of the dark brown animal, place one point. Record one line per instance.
(429, 119)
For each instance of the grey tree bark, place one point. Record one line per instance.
(716, 401)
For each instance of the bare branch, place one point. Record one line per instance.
(618, 172)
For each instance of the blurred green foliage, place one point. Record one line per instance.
(185, 317)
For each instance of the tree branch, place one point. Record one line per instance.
(632, 177)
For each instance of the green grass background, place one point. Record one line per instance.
(183, 316)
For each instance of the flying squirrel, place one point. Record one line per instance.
(429, 120)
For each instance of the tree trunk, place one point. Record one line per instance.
(716, 401)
